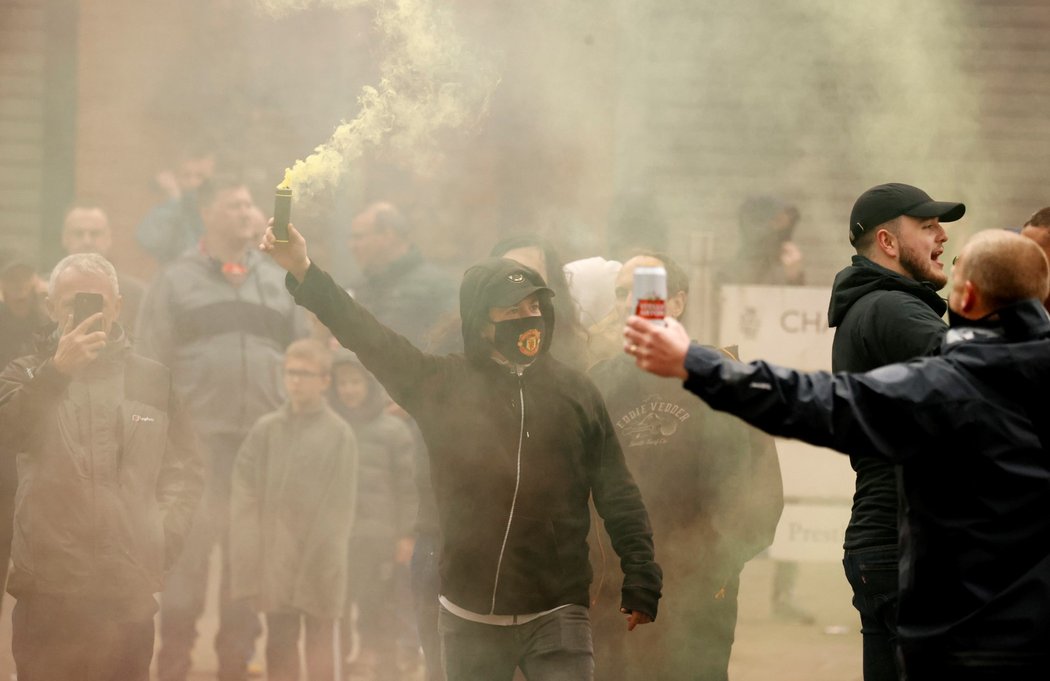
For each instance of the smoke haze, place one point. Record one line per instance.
(429, 82)
(481, 118)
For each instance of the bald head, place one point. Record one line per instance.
(997, 268)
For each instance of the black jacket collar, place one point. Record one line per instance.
(864, 276)
(1022, 321)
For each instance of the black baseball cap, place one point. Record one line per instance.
(885, 202)
(512, 284)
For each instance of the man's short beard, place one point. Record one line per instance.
(922, 269)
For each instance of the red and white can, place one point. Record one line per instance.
(650, 293)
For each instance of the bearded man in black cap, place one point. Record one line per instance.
(885, 309)
(518, 443)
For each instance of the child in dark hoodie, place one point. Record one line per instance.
(381, 540)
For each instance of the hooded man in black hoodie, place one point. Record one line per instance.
(518, 443)
(886, 309)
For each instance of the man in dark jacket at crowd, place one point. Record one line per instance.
(406, 292)
(969, 429)
(518, 443)
(22, 319)
(885, 309)
(109, 478)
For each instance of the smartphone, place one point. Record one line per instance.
(85, 305)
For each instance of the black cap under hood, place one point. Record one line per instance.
(475, 300)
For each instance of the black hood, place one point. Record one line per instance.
(863, 277)
(474, 304)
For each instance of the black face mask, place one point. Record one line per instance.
(520, 340)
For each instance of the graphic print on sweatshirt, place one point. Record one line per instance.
(652, 421)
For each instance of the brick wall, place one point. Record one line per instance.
(22, 94)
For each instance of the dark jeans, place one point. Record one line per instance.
(976, 666)
(555, 647)
(872, 572)
(425, 587)
(381, 590)
(57, 638)
(282, 647)
(8, 487)
(182, 601)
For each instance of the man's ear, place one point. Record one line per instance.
(887, 242)
(676, 305)
(970, 297)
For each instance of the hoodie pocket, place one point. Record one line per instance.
(532, 564)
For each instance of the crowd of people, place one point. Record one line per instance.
(403, 479)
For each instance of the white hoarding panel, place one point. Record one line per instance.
(789, 326)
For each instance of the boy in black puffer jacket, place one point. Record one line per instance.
(381, 541)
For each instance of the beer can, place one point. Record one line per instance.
(650, 293)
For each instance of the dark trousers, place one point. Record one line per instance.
(182, 602)
(976, 666)
(425, 588)
(282, 647)
(555, 647)
(381, 590)
(873, 574)
(691, 640)
(8, 487)
(58, 639)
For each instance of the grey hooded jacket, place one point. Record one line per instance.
(291, 511)
(223, 343)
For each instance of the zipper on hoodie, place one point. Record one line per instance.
(514, 499)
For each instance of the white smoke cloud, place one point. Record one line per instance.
(429, 82)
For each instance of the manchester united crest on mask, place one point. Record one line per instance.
(529, 343)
